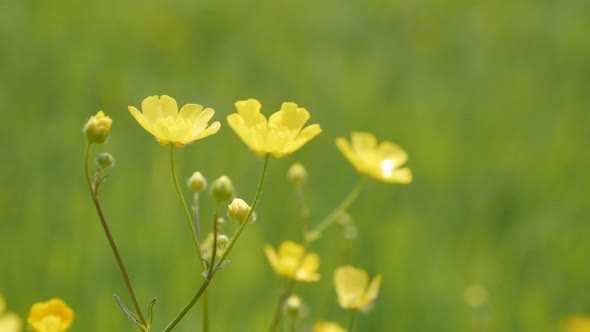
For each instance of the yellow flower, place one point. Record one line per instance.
(326, 326)
(161, 118)
(51, 316)
(9, 322)
(577, 324)
(292, 262)
(281, 135)
(351, 287)
(97, 128)
(381, 162)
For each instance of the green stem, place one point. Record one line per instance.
(211, 265)
(93, 191)
(186, 212)
(205, 310)
(245, 221)
(188, 307)
(284, 296)
(343, 206)
(351, 320)
(223, 257)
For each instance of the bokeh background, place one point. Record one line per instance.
(490, 99)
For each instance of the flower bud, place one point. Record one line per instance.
(105, 160)
(293, 306)
(297, 175)
(222, 189)
(197, 182)
(238, 210)
(97, 128)
(222, 241)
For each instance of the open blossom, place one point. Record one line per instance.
(51, 316)
(9, 322)
(351, 287)
(281, 135)
(292, 262)
(327, 326)
(383, 162)
(576, 324)
(162, 119)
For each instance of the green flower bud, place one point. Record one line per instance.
(293, 306)
(238, 210)
(197, 183)
(222, 189)
(105, 160)
(97, 128)
(297, 175)
(222, 241)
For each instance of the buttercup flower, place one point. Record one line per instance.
(326, 326)
(161, 118)
(291, 261)
(9, 322)
(576, 324)
(51, 316)
(382, 162)
(97, 128)
(281, 135)
(351, 287)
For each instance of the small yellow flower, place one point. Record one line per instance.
(51, 316)
(281, 135)
(97, 128)
(292, 262)
(161, 118)
(326, 326)
(576, 324)
(351, 287)
(9, 322)
(382, 162)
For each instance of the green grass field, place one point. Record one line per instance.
(490, 99)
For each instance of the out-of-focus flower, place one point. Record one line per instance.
(292, 262)
(222, 189)
(97, 128)
(9, 322)
(51, 316)
(197, 182)
(577, 323)
(297, 174)
(326, 326)
(161, 118)
(382, 162)
(281, 135)
(351, 287)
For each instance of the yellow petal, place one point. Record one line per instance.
(212, 129)
(290, 117)
(350, 285)
(393, 152)
(306, 135)
(141, 119)
(363, 141)
(190, 112)
(372, 291)
(272, 257)
(10, 322)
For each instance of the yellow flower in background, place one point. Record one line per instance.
(292, 262)
(97, 128)
(9, 322)
(281, 135)
(51, 316)
(351, 287)
(161, 118)
(576, 324)
(326, 326)
(382, 162)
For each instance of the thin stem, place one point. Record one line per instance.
(351, 320)
(211, 265)
(223, 257)
(284, 296)
(93, 191)
(188, 306)
(245, 221)
(343, 206)
(186, 211)
(196, 216)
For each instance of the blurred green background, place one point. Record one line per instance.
(490, 99)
